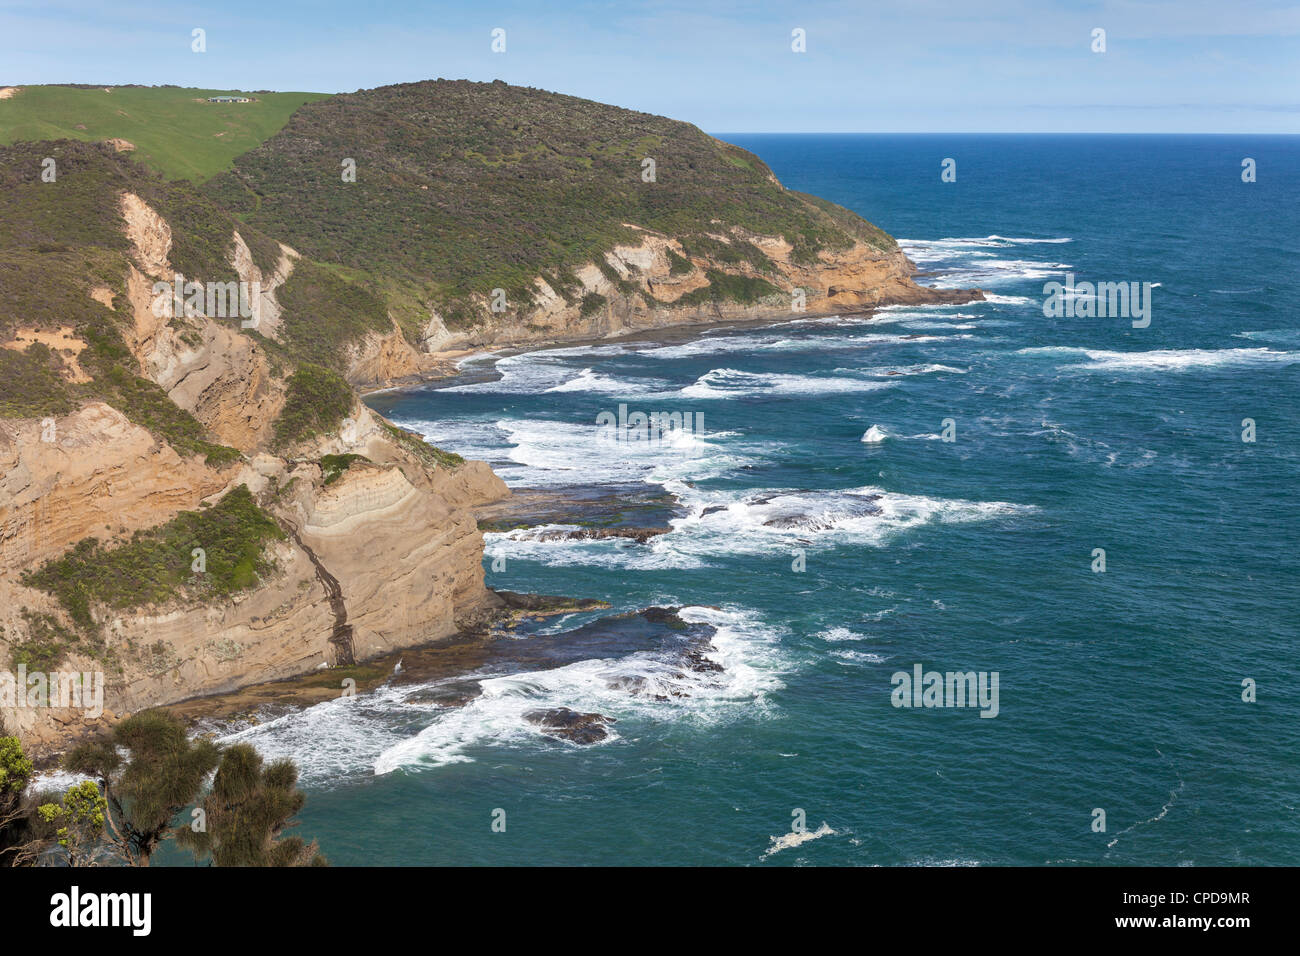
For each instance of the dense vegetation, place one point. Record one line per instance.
(158, 564)
(461, 188)
(65, 237)
(728, 286)
(429, 454)
(174, 129)
(332, 467)
(31, 384)
(464, 187)
(141, 777)
(324, 312)
(249, 806)
(317, 400)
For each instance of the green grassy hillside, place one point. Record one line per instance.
(175, 130)
(463, 187)
(63, 239)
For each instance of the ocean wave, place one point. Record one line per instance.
(924, 369)
(797, 838)
(849, 657)
(983, 242)
(973, 260)
(331, 740)
(716, 345)
(874, 435)
(589, 380)
(1278, 336)
(1164, 360)
(471, 438)
(638, 687)
(554, 452)
(721, 383)
(533, 544)
(531, 373)
(724, 522)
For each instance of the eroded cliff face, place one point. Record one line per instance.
(648, 294)
(384, 556)
(387, 555)
(206, 365)
(89, 474)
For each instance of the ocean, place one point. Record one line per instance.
(826, 537)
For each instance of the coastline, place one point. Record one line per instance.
(448, 367)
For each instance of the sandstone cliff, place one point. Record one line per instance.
(640, 289)
(384, 556)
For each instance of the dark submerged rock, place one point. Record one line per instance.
(570, 725)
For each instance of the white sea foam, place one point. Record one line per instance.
(982, 242)
(479, 439)
(797, 838)
(756, 522)
(640, 687)
(849, 657)
(926, 369)
(811, 343)
(1165, 360)
(530, 373)
(721, 383)
(589, 380)
(874, 435)
(1278, 336)
(530, 544)
(331, 740)
(974, 260)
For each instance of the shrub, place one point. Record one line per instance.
(317, 399)
(154, 566)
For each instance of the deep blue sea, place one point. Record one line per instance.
(1119, 690)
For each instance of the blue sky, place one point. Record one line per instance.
(906, 65)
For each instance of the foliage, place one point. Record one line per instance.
(15, 768)
(76, 823)
(46, 644)
(154, 566)
(324, 312)
(333, 466)
(726, 286)
(317, 400)
(737, 252)
(31, 385)
(144, 791)
(467, 187)
(248, 807)
(427, 453)
(15, 813)
(63, 237)
(678, 265)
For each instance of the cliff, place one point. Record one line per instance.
(484, 214)
(193, 500)
(377, 550)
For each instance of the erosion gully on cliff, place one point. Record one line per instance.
(341, 637)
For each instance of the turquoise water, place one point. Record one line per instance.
(1118, 690)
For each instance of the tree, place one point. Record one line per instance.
(144, 792)
(15, 812)
(240, 820)
(77, 822)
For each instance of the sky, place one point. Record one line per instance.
(1229, 66)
